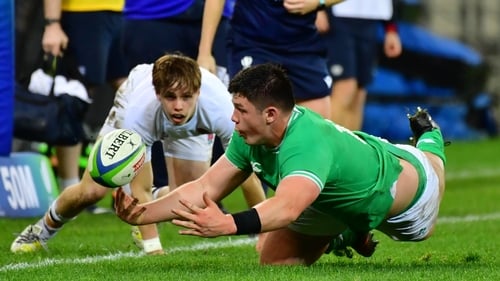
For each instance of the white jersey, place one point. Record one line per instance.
(364, 9)
(136, 107)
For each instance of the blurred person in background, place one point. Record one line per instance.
(283, 32)
(90, 32)
(350, 31)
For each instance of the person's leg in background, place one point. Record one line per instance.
(99, 63)
(351, 56)
(68, 170)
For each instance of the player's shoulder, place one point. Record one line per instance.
(213, 89)
(141, 71)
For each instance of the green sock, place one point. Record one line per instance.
(432, 142)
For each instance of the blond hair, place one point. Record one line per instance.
(174, 71)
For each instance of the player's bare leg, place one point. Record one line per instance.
(287, 247)
(347, 103)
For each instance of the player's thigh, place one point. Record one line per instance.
(187, 158)
(89, 189)
(181, 171)
(285, 246)
(303, 241)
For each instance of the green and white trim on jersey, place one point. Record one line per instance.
(308, 175)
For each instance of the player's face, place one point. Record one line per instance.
(250, 123)
(179, 105)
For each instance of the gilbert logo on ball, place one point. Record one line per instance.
(116, 158)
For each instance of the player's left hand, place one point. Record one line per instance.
(205, 222)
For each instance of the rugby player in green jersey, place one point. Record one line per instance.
(327, 179)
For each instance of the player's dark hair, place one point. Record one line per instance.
(264, 85)
(175, 71)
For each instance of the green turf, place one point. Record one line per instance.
(99, 247)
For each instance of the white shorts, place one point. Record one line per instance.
(196, 148)
(415, 223)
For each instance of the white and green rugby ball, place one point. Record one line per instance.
(116, 158)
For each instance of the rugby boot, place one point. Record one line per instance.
(420, 122)
(344, 243)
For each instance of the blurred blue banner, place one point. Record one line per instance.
(27, 185)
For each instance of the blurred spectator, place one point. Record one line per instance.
(283, 32)
(350, 30)
(89, 31)
(155, 27)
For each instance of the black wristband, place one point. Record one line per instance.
(51, 21)
(247, 222)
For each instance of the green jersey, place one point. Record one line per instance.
(353, 170)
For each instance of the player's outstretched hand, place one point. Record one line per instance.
(126, 207)
(205, 222)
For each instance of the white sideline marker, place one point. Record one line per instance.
(472, 174)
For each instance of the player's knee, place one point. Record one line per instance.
(92, 193)
(160, 191)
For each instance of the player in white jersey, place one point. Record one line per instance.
(173, 100)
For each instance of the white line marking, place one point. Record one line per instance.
(198, 246)
(230, 242)
(469, 218)
(472, 174)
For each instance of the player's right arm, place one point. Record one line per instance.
(212, 14)
(220, 180)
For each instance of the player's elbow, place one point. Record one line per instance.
(290, 215)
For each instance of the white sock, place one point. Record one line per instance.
(47, 231)
(155, 192)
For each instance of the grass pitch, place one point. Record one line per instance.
(465, 246)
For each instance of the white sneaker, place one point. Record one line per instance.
(29, 240)
(136, 237)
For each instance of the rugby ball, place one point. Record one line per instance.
(116, 158)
